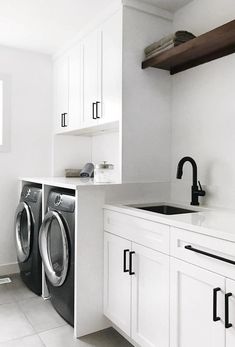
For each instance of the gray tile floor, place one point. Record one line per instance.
(26, 320)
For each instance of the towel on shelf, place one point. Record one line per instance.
(168, 42)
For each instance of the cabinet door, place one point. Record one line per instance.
(111, 32)
(150, 298)
(230, 330)
(117, 283)
(73, 120)
(61, 84)
(91, 78)
(193, 308)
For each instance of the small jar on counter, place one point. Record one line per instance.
(104, 173)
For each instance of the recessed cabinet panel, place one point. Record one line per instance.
(117, 283)
(192, 306)
(150, 298)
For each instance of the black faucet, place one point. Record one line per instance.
(196, 190)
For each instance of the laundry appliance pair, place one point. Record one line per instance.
(49, 241)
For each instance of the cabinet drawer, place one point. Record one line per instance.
(142, 231)
(201, 243)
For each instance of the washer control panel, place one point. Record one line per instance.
(30, 193)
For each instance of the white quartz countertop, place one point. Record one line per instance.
(66, 182)
(214, 222)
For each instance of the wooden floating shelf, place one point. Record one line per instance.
(215, 44)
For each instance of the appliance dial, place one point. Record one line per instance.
(58, 200)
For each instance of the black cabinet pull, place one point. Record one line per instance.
(215, 317)
(227, 324)
(124, 260)
(131, 263)
(65, 125)
(62, 120)
(93, 110)
(97, 109)
(190, 248)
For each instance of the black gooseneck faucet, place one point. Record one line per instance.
(196, 190)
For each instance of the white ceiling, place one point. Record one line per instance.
(47, 25)
(44, 25)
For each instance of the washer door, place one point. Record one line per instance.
(54, 248)
(23, 230)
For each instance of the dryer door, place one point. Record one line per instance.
(23, 231)
(54, 248)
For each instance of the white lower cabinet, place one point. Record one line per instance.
(230, 330)
(150, 298)
(163, 300)
(197, 306)
(117, 283)
(136, 291)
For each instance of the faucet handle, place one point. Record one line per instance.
(200, 186)
(201, 191)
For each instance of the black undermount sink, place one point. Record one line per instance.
(165, 209)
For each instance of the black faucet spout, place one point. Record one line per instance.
(180, 169)
(196, 191)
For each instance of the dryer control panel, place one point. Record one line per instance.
(61, 201)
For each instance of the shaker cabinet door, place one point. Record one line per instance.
(230, 328)
(61, 92)
(117, 282)
(91, 78)
(150, 297)
(197, 306)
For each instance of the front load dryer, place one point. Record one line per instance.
(28, 220)
(56, 242)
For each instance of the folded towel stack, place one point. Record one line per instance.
(168, 42)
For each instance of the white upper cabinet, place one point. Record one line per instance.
(91, 79)
(75, 88)
(61, 92)
(68, 94)
(111, 69)
(88, 79)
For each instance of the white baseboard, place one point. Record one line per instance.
(7, 269)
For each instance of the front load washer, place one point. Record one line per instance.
(28, 220)
(56, 242)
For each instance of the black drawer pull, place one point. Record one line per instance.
(62, 120)
(97, 109)
(124, 260)
(190, 248)
(65, 125)
(131, 263)
(93, 110)
(227, 324)
(215, 317)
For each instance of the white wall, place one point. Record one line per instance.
(146, 102)
(106, 147)
(70, 152)
(30, 152)
(203, 111)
